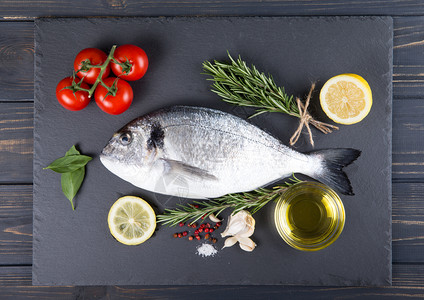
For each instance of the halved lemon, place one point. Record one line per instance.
(346, 98)
(131, 220)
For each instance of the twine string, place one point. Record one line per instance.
(306, 119)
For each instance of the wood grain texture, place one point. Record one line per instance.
(16, 61)
(16, 142)
(24, 9)
(408, 142)
(408, 222)
(15, 224)
(15, 283)
(408, 58)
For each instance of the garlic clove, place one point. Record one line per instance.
(246, 243)
(225, 232)
(230, 242)
(213, 218)
(247, 248)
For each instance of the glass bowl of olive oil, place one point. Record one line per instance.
(309, 216)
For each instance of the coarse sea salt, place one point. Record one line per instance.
(206, 250)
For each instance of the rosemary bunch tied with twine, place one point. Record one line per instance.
(238, 84)
(252, 201)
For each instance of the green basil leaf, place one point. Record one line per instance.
(71, 183)
(72, 151)
(72, 167)
(69, 163)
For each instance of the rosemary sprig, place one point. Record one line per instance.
(252, 201)
(238, 84)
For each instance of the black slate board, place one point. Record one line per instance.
(75, 248)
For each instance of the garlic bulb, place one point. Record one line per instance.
(240, 227)
(230, 242)
(240, 224)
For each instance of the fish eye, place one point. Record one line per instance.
(125, 138)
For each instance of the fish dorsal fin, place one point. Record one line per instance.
(179, 168)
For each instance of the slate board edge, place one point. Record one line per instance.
(37, 61)
(390, 157)
(389, 19)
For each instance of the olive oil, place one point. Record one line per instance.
(309, 216)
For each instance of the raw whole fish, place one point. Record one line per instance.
(196, 152)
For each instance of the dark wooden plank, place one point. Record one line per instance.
(408, 61)
(16, 61)
(15, 224)
(408, 222)
(408, 144)
(408, 275)
(18, 10)
(16, 142)
(15, 276)
(15, 283)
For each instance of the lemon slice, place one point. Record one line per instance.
(131, 220)
(346, 98)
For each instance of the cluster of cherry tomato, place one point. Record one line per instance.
(92, 68)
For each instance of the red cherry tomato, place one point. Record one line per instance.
(117, 104)
(96, 57)
(70, 100)
(135, 56)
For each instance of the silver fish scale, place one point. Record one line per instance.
(236, 152)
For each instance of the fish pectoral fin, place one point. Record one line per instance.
(178, 168)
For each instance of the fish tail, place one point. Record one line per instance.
(331, 173)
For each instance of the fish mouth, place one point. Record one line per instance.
(107, 150)
(106, 154)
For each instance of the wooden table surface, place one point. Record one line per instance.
(16, 143)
